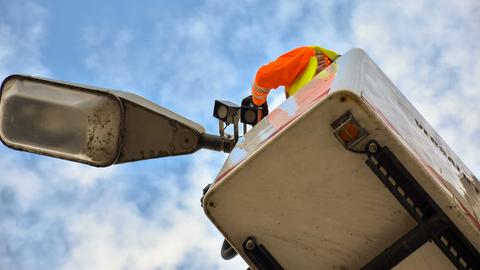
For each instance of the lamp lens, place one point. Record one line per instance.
(60, 120)
(222, 111)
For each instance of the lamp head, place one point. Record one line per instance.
(89, 125)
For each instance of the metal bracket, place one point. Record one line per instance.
(259, 255)
(433, 223)
(348, 131)
(407, 244)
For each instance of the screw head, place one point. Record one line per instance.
(250, 245)
(372, 147)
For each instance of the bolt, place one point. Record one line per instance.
(372, 147)
(250, 245)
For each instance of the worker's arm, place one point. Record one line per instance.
(281, 72)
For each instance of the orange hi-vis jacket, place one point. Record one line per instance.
(293, 70)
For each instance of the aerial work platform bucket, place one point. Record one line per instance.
(347, 174)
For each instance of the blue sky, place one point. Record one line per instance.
(182, 55)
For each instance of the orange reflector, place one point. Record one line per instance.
(349, 133)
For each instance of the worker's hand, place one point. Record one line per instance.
(248, 102)
(265, 108)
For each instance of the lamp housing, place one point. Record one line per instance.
(251, 115)
(91, 125)
(226, 111)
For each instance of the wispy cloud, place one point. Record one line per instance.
(22, 31)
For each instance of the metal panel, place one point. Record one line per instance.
(309, 201)
(450, 181)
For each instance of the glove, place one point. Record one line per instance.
(248, 101)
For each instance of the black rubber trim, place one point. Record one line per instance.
(227, 252)
(396, 178)
(259, 255)
(407, 244)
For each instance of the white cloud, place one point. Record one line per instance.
(430, 50)
(74, 174)
(113, 235)
(102, 226)
(13, 171)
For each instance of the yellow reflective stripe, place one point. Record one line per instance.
(310, 70)
(261, 89)
(258, 100)
(303, 78)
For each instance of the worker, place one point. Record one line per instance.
(292, 70)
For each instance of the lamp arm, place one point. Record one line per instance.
(216, 143)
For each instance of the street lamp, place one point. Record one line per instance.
(94, 126)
